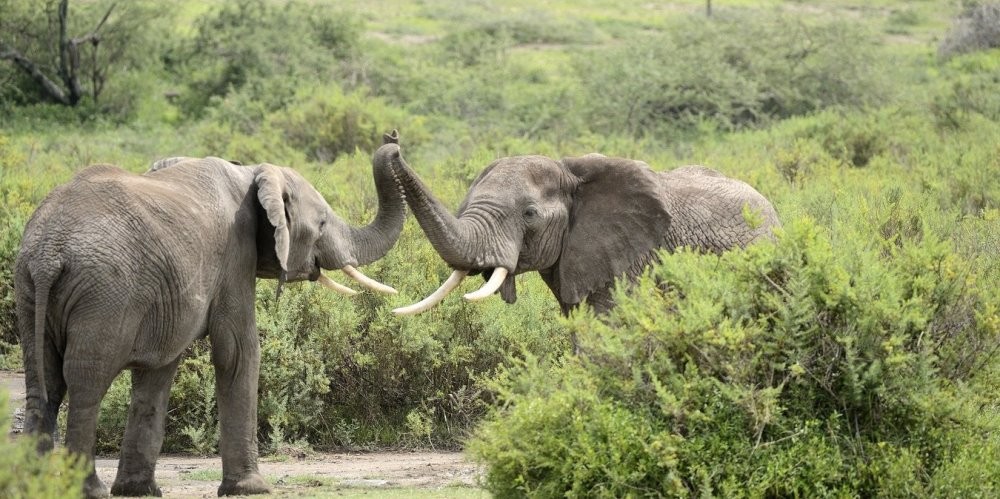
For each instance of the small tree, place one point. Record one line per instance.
(55, 65)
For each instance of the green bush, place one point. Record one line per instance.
(26, 474)
(318, 123)
(968, 89)
(264, 48)
(728, 73)
(324, 123)
(791, 369)
(14, 213)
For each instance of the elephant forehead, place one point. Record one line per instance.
(526, 172)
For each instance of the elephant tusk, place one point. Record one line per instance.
(423, 305)
(366, 281)
(491, 286)
(328, 283)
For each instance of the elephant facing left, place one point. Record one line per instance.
(122, 271)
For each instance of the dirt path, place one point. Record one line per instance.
(321, 473)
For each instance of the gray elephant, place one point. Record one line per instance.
(581, 223)
(122, 271)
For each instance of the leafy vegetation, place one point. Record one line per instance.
(23, 473)
(854, 356)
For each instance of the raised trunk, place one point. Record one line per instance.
(374, 240)
(456, 240)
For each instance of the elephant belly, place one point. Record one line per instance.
(165, 332)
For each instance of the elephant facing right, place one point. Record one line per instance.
(580, 222)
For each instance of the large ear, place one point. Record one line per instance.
(618, 218)
(272, 196)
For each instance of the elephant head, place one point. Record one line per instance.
(580, 222)
(299, 235)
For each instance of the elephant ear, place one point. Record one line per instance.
(272, 194)
(618, 219)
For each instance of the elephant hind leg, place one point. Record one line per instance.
(40, 416)
(144, 431)
(87, 382)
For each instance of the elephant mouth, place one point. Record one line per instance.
(316, 275)
(498, 278)
(508, 289)
(316, 271)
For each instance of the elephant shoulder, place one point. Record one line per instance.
(102, 171)
(164, 163)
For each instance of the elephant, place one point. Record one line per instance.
(580, 222)
(124, 271)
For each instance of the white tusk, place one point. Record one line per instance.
(366, 281)
(423, 305)
(328, 283)
(491, 286)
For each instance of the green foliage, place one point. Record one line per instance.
(264, 48)
(325, 123)
(791, 369)
(318, 124)
(26, 474)
(14, 213)
(968, 89)
(728, 73)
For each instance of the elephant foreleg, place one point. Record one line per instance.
(144, 431)
(236, 356)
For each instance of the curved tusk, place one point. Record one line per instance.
(328, 283)
(491, 286)
(423, 305)
(366, 281)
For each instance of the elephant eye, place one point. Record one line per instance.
(530, 212)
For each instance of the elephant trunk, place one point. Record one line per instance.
(458, 241)
(374, 240)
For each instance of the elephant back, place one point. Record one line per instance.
(712, 212)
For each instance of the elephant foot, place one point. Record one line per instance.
(249, 485)
(93, 488)
(135, 488)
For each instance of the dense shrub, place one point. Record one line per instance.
(26, 474)
(318, 123)
(264, 47)
(968, 88)
(977, 28)
(793, 369)
(727, 73)
(13, 216)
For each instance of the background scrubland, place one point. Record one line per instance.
(857, 355)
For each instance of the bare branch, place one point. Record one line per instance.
(35, 73)
(93, 37)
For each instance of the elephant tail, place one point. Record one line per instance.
(43, 283)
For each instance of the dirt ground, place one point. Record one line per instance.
(326, 474)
